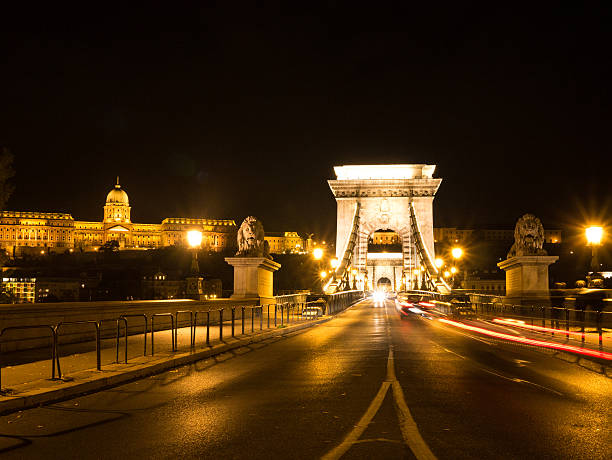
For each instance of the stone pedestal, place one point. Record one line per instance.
(527, 276)
(194, 289)
(253, 277)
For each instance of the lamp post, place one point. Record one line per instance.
(453, 271)
(594, 236)
(334, 264)
(317, 254)
(194, 282)
(457, 254)
(439, 263)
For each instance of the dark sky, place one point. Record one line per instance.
(230, 109)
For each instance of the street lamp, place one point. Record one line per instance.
(317, 253)
(194, 238)
(323, 274)
(594, 236)
(194, 282)
(457, 253)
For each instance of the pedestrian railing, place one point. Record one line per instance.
(159, 315)
(251, 320)
(570, 323)
(137, 315)
(53, 345)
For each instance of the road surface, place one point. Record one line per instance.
(363, 385)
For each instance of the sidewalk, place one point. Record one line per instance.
(30, 384)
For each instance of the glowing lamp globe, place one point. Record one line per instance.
(594, 235)
(334, 263)
(323, 274)
(439, 263)
(457, 253)
(317, 253)
(194, 238)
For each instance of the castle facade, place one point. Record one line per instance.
(42, 232)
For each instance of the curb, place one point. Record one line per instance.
(92, 381)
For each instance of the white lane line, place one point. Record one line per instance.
(410, 431)
(409, 428)
(489, 371)
(362, 424)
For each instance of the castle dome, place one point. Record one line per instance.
(117, 195)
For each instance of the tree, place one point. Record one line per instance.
(6, 173)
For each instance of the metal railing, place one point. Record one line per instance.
(53, 345)
(276, 315)
(158, 315)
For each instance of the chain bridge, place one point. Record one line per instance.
(394, 198)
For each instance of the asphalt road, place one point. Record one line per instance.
(364, 385)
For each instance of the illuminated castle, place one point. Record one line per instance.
(59, 232)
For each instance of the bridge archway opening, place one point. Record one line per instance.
(384, 240)
(384, 284)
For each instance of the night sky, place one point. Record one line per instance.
(230, 109)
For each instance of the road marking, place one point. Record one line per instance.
(489, 371)
(362, 424)
(410, 431)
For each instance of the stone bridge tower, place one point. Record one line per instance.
(382, 196)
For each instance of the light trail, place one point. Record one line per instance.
(536, 343)
(519, 323)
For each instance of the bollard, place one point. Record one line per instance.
(252, 319)
(275, 310)
(243, 310)
(221, 325)
(233, 318)
(567, 324)
(261, 318)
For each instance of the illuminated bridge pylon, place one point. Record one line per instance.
(397, 198)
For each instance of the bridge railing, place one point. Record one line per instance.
(220, 324)
(572, 318)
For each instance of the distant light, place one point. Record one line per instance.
(453, 270)
(334, 263)
(447, 274)
(194, 238)
(42, 252)
(439, 263)
(379, 296)
(323, 274)
(317, 253)
(457, 253)
(594, 235)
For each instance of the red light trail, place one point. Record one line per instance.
(537, 343)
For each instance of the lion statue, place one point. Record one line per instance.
(251, 242)
(528, 237)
